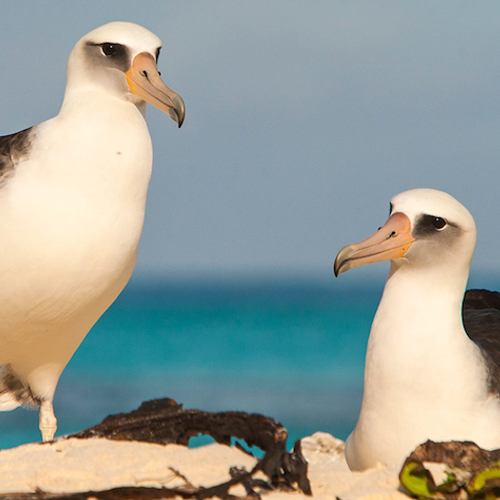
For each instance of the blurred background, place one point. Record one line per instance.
(303, 120)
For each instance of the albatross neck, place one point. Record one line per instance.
(419, 323)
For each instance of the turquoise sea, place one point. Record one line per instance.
(290, 349)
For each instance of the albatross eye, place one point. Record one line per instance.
(108, 49)
(439, 223)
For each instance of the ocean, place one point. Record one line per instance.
(289, 349)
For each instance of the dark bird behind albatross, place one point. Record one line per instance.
(425, 376)
(72, 199)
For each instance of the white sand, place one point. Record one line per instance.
(98, 464)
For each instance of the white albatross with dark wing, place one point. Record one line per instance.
(425, 377)
(72, 200)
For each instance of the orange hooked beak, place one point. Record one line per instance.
(145, 82)
(391, 241)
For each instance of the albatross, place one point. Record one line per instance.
(426, 377)
(72, 200)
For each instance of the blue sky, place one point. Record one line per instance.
(303, 119)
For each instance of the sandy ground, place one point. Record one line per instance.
(98, 464)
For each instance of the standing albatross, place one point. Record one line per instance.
(425, 377)
(72, 200)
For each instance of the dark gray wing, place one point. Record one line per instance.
(481, 316)
(14, 147)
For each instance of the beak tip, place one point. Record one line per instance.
(339, 269)
(335, 270)
(177, 114)
(179, 110)
(342, 262)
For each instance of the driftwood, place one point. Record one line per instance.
(163, 421)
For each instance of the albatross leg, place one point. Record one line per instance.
(48, 421)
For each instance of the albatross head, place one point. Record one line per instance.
(426, 229)
(122, 58)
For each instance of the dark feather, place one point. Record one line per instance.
(22, 394)
(481, 316)
(14, 147)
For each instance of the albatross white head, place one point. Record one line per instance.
(424, 377)
(427, 229)
(122, 58)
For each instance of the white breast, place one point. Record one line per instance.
(75, 214)
(424, 378)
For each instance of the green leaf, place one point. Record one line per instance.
(415, 478)
(487, 478)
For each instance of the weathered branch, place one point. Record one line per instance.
(163, 421)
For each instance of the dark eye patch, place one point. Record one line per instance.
(157, 54)
(390, 209)
(428, 225)
(110, 54)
